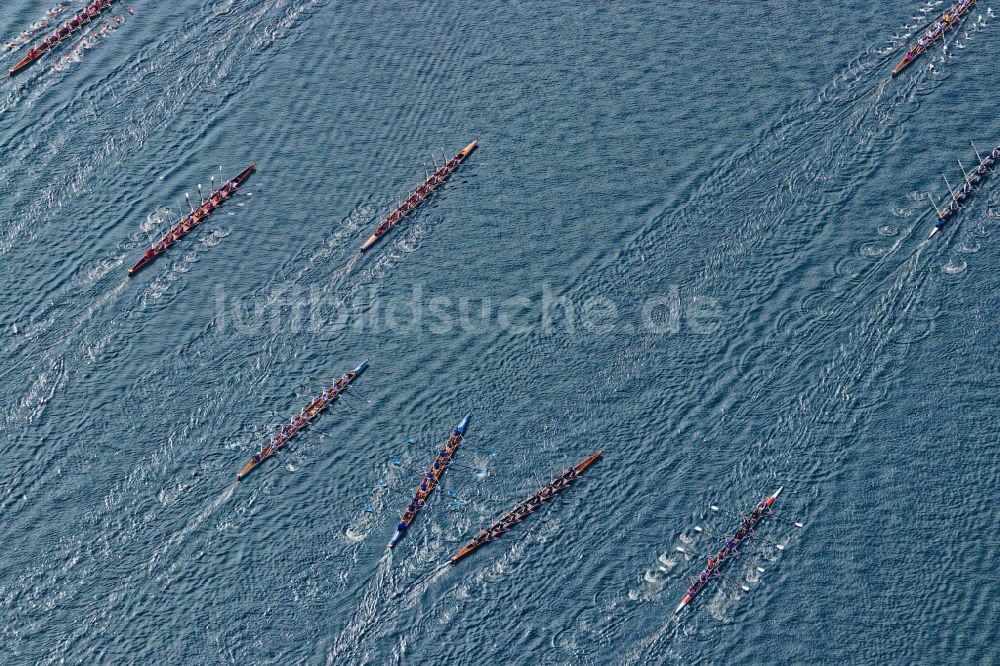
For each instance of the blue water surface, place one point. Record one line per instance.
(697, 231)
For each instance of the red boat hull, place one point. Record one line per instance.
(84, 18)
(179, 232)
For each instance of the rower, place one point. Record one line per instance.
(256, 457)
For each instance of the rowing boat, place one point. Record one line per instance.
(924, 43)
(420, 194)
(430, 480)
(527, 507)
(958, 198)
(76, 23)
(298, 423)
(728, 551)
(196, 217)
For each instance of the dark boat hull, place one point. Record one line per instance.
(172, 237)
(28, 60)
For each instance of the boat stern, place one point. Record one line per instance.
(19, 66)
(465, 152)
(902, 65)
(243, 174)
(462, 553)
(246, 470)
(590, 460)
(142, 263)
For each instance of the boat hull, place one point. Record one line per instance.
(419, 195)
(30, 59)
(517, 515)
(431, 479)
(311, 412)
(246, 470)
(728, 552)
(179, 232)
(917, 51)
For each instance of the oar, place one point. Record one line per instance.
(770, 513)
(749, 534)
(934, 203)
(953, 196)
(982, 162)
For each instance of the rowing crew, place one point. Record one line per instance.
(301, 420)
(940, 26)
(411, 201)
(520, 512)
(430, 480)
(971, 181)
(77, 21)
(729, 547)
(191, 220)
